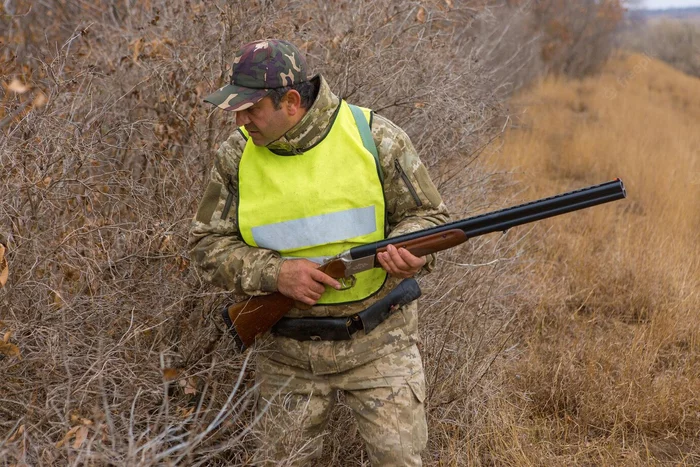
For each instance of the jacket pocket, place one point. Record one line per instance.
(229, 200)
(408, 183)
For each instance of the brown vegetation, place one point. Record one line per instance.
(120, 355)
(577, 36)
(610, 370)
(106, 143)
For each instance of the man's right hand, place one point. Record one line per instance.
(301, 280)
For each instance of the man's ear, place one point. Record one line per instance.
(292, 102)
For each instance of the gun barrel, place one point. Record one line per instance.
(511, 217)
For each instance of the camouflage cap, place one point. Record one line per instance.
(259, 67)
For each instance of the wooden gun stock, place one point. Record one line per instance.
(255, 315)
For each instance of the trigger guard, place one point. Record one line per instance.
(347, 282)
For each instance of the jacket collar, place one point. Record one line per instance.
(313, 127)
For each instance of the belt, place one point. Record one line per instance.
(338, 329)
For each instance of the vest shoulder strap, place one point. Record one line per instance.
(366, 135)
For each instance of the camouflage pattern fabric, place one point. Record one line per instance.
(257, 68)
(385, 395)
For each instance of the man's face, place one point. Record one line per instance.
(263, 122)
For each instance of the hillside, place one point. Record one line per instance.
(675, 13)
(611, 370)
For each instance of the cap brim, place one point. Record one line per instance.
(234, 98)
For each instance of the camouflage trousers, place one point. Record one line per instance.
(386, 397)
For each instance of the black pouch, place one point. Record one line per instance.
(407, 291)
(337, 329)
(322, 329)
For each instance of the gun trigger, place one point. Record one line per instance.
(347, 282)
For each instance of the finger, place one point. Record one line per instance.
(389, 267)
(382, 262)
(414, 262)
(315, 296)
(324, 278)
(386, 262)
(396, 259)
(316, 288)
(307, 300)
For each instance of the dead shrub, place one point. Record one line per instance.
(106, 145)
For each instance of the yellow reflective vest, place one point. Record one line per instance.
(316, 204)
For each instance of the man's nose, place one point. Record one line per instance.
(242, 118)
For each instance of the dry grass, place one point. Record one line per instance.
(610, 374)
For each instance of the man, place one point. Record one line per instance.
(297, 183)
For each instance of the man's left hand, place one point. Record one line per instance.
(400, 262)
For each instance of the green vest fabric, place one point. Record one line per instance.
(316, 204)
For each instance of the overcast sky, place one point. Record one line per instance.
(657, 4)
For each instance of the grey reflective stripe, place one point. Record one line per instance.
(316, 230)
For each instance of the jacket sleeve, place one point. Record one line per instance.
(216, 247)
(412, 201)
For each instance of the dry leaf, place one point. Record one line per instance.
(57, 300)
(6, 337)
(419, 105)
(80, 437)
(171, 374)
(68, 436)
(44, 183)
(449, 3)
(9, 350)
(189, 385)
(420, 17)
(40, 100)
(166, 245)
(18, 433)
(138, 45)
(183, 264)
(18, 86)
(4, 268)
(76, 419)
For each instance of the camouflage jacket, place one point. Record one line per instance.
(412, 203)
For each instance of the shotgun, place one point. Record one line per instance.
(256, 315)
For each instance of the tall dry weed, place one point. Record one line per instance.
(611, 370)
